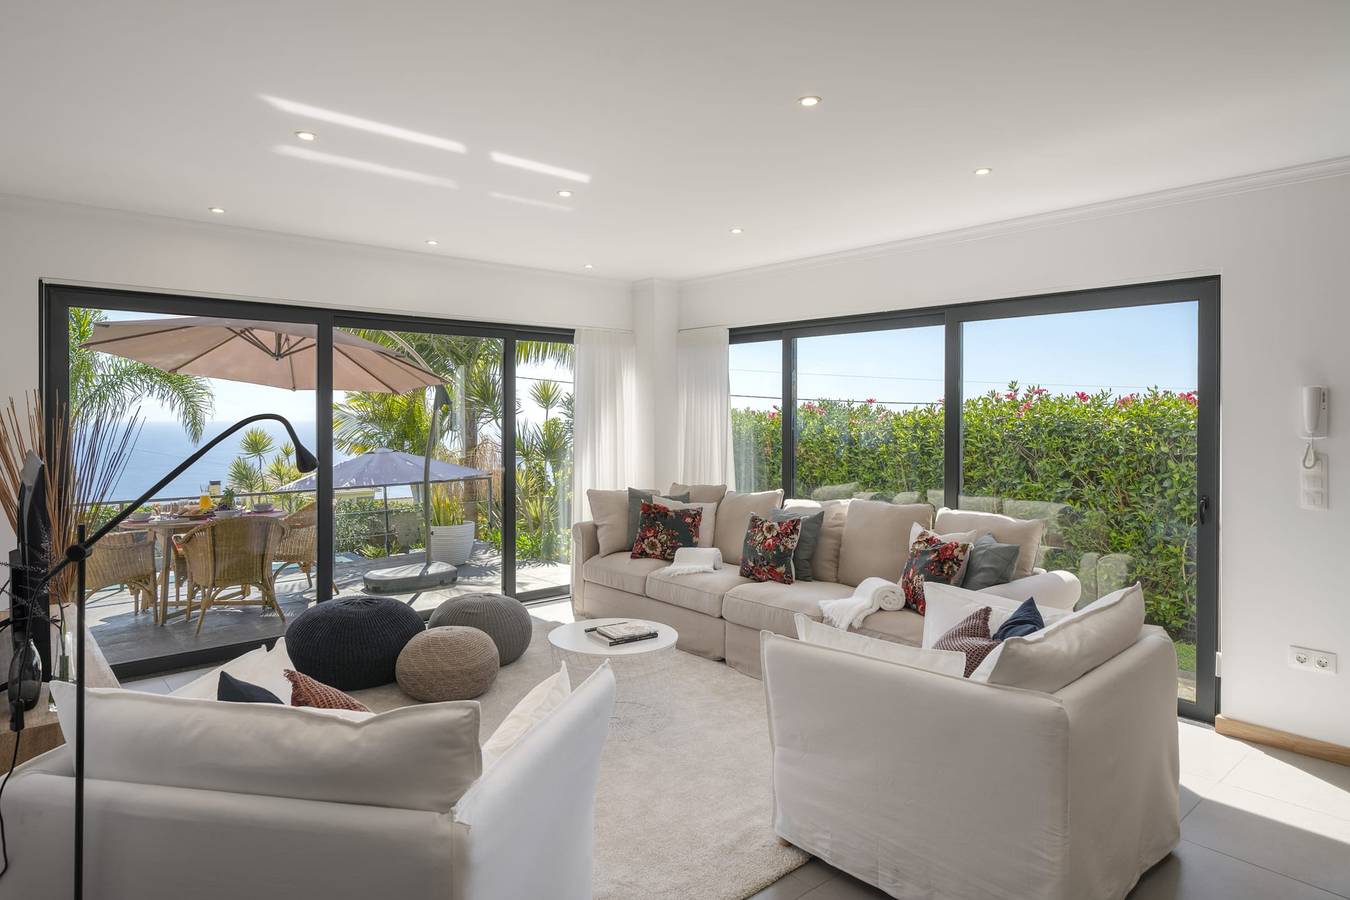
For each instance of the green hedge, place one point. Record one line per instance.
(1125, 464)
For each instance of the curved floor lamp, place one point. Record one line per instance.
(79, 551)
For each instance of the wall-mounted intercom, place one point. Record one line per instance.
(1314, 411)
(1314, 486)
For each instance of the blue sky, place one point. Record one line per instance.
(1122, 350)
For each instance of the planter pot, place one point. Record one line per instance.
(452, 544)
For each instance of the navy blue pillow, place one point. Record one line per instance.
(1025, 620)
(236, 691)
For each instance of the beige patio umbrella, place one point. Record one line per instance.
(279, 354)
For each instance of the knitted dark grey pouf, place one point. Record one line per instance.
(503, 619)
(352, 642)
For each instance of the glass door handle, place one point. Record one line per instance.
(1204, 508)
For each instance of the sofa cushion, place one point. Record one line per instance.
(904, 626)
(990, 563)
(700, 493)
(609, 511)
(825, 559)
(948, 605)
(1025, 533)
(701, 592)
(637, 497)
(1064, 651)
(876, 539)
(621, 572)
(945, 662)
(971, 637)
(733, 517)
(812, 519)
(768, 604)
(769, 548)
(663, 530)
(707, 525)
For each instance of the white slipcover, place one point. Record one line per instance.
(930, 786)
(525, 828)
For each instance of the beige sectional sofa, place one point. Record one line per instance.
(719, 615)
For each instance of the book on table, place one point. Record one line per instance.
(624, 632)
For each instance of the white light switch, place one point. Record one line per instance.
(1314, 490)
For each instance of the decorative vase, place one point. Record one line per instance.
(452, 544)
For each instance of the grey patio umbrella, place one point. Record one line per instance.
(382, 468)
(278, 354)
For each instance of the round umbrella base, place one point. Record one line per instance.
(411, 577)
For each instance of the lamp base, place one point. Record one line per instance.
(412, 577)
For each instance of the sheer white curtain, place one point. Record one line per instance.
(607, 440)
(703, 410)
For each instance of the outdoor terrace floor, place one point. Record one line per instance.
(136, 647)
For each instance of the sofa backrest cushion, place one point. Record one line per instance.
(945, 662)
(1025, 533)
(825, 557)
(420, 757)
(1067, 649)
(699, 493)
(733, 517)
(609, 511)
(876, 539)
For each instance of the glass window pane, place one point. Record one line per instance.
(380, 442)
(756, 382)
(1087, 420)
(543, 465)
(869, 415)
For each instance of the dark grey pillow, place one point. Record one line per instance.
(990, 563)
(807, 540)
(635, 500)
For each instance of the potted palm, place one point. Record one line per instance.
(452, 537)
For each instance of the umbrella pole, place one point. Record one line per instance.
(426, 478)
(385, 490)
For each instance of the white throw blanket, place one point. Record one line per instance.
(689, 560)
(871, 595)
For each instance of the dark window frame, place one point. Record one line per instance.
(57, 298)
(1204, 291)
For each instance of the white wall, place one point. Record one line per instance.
(655, 326)
(61, 242)
(1281, 252)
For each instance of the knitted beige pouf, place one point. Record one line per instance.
(448, 663)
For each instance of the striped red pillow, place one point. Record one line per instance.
(305, 691)
(971, 637)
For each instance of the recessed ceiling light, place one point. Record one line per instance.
(564, 193)
(216, 209)
(432, 243)
(983, 170)
(738, 231)
(809, 100)
(306, 135)
(588, 266)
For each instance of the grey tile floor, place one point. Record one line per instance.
(1258, 824)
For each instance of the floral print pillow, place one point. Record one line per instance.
(930, 559)
(767, 552)
(662, 530)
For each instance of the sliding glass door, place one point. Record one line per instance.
(1095, 412)
(370, 396)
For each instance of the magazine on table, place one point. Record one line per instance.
(623, 632)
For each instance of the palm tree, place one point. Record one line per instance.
(546, 394)
(101, 382)
(255, 445)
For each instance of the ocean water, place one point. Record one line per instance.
(162, 445)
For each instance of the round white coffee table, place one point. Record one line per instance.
(637, 669)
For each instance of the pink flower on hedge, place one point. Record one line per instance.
(1191, 397)
(1127, 400)
(870, 400)
(1011, 395)
(773, 416)
(1038, 391)
(1083, 396)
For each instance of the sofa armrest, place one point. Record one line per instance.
(884, 771)
(585, 544)
(1057, 590)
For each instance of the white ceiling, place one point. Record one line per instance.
(682, 113)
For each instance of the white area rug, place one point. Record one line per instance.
(685, 803)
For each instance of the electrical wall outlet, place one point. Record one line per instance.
(1323, 661)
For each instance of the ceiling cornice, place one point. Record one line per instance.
(1209, 190)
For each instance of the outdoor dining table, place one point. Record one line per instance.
(162, 529)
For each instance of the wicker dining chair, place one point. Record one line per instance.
(231, 553)
(300, 543)
(125, 558)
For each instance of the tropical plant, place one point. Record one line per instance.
(546, 394)
(111, 384)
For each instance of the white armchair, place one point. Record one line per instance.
(524, 828)
(927, 785)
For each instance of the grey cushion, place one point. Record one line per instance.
(351, 642)
(499, 617)
(990, 563)
(637, 497)
(806, 542)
